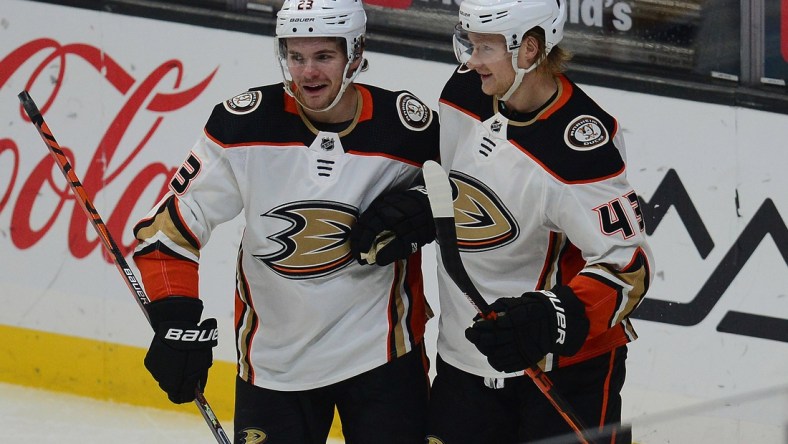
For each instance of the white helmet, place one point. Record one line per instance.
(322, 18)
(512, 19)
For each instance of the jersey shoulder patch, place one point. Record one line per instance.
(236, 121)
(413, 113)
(585, 133)
(244, 103)
(412, 127)
(576, 143)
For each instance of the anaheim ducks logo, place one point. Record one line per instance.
(252, 436)
(483, 222)
(316, 243)
(585, 133)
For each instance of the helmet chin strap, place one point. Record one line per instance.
(345, 82)
(519, 74)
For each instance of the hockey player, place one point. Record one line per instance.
(549, 229)
(314, 330)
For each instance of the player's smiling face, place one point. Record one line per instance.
(492, 62)
(317, 66)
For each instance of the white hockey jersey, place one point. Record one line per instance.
(540, 203)
(306, 314)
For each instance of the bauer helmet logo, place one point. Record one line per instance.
(414, 114)
(585, 133)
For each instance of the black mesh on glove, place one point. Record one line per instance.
(393, 227)
(180, 353)
(530, 327)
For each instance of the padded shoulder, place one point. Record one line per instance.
(576, 142)
(253, 116)
(463, 91)
(399, 124)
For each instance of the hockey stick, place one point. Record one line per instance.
(109, 243)
(442, 206)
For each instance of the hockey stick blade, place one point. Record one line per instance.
(441, 201)
(110, 246)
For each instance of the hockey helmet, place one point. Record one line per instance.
(344, 19)
(511, 19)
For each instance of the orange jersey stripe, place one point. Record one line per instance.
(157, 269)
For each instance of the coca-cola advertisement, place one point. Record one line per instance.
(125, 101)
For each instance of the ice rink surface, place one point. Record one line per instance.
(40, 416)
(29, 415)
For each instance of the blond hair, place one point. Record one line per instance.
(557, 60)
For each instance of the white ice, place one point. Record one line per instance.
(40, 416)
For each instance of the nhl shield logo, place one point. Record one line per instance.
(327, 144)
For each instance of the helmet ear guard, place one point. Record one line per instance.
(342, 19)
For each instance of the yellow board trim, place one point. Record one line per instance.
(104, 371)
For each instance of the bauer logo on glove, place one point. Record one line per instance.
(529, 327)
(177, 334)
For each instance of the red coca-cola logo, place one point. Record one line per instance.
(152, 94)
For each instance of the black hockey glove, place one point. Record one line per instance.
(180, 354)
(529, 327)
(393, 227)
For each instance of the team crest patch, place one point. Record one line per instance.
(253, 436)
(244, 103)
(585, 133)
(482, 220)
(316, 241)
(413, 113)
